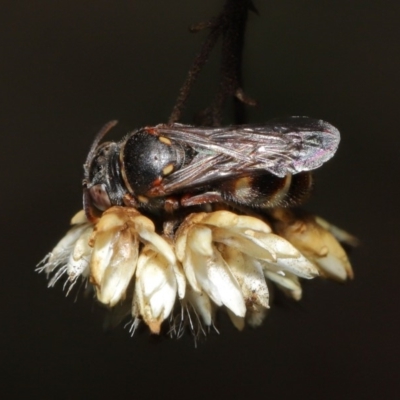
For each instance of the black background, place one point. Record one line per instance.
(67, 67)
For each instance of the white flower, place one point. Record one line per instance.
(314, 237)
(226, 257)
(115, 254)
(213, 260)
(72, 253)
(115, 242)
(156, 287)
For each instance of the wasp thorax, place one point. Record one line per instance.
(146, 159)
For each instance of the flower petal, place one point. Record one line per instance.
(118, 274)
(246, 222)
(79, 218)
(112, 220)
(144, 227)
(215, 278)
(279, 246)
(227, 219)
(237, 321)
(155, 289)
(189, 267)
(289, 283)
(222, 219)
(61, 252)
(315, 242)
(245, 243)
(182, 233)
(299, 266)
(103, 247)
(340, 234)
(335, 268)
(180, 279)
(249, 275)
(201, 304)
(78, 263)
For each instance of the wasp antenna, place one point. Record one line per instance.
(103, 131)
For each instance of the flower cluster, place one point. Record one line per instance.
(213, 260)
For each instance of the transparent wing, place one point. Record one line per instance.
(280, 147)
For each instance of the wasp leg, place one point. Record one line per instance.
(171, 204)
(202, 198)
(129, 201)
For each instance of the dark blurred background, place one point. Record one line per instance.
(67, 67)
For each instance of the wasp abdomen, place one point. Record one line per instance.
(267, 190)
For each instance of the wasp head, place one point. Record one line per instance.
(101, 184)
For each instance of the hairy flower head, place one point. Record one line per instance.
(212, 260)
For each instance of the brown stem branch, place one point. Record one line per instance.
(231, 24)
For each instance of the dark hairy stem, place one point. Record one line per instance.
(231, 25)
